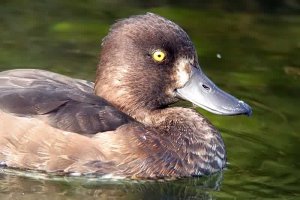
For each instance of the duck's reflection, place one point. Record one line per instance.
(28, 185)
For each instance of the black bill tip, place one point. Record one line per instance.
(245, 108)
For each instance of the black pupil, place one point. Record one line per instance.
(159, 55)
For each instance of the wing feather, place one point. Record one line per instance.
(62, 102)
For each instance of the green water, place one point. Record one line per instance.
(259, 62)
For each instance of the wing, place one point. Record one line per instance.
(62, 102)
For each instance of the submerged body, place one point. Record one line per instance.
(121, 125)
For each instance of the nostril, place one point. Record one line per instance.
(206, 87)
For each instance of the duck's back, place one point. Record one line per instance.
(62, 102)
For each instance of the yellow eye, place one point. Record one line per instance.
(158, 55)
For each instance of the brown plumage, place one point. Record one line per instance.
(53, 123)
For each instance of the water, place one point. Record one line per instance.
(254, 56)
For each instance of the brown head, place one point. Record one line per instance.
(144, 62)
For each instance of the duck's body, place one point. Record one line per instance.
(120, 125)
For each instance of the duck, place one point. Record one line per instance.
(124, 124)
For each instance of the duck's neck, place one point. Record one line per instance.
(195, 138)
(130, 94)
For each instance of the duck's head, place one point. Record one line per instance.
(148, 62)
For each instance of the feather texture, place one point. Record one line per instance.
(62, 102)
